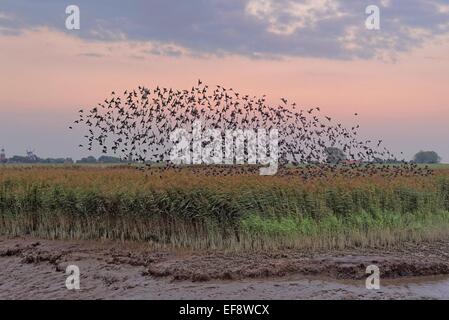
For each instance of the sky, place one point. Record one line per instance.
(316, 53)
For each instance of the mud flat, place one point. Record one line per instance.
(35, 269)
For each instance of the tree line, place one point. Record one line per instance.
(35, 159)
(336, 155)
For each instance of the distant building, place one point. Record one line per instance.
(3, 158)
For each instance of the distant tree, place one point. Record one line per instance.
(22, 159)
(109, 159)
(386, 161)
(53, 160)
(334, 155)
(393, 161)
(89, 159)
(35, 159)
(427, 157)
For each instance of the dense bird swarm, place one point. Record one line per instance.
(137, 126)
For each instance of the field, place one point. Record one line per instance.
(247, 212)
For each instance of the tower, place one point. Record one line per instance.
(2, 156)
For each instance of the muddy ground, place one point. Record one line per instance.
(35, 269)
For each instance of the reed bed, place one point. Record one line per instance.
(182, 209)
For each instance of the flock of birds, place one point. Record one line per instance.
(137, 125)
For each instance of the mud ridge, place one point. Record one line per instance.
(418, 259)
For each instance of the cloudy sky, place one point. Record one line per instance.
(315, 52)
